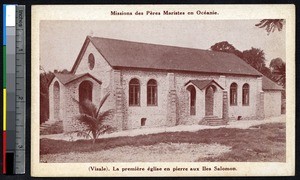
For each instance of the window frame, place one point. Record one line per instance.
(233, 90)
(152, 88)
(136, 88)
(91, 61)
(246, 87)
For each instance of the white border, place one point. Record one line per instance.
(226, 12)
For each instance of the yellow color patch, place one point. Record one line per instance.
(4, 109)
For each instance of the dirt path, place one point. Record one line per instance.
(162, 152)
(242, 124)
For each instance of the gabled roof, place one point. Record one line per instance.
(67, 78)
(269, 85)
(127, 54)
(202, 84)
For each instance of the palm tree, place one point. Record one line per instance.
(271, 24)
(255, 57)
(93, 119)
(277, 67)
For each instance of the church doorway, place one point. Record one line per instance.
(85, 92)
(192, 91)
(209, 100)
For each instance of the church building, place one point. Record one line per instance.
(154, 85)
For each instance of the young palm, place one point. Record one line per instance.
(93, 119)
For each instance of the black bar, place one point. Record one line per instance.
(10, 163)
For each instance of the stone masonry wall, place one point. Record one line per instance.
(158, 115)
(245, 111)
(173, 99)
(155, 115)
(172, 110)
(225, 115)
(272, 103)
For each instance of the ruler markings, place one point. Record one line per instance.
(20, 90)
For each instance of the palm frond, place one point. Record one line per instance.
(88, 121)
(271, 24)
(87, 107)
(104, 129)
(101, 103)
(104, 115)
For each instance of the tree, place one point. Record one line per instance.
(93, 120)
(45, 79)
(275, 64)
(224, 46)
(255, 57)
(271, 24)
(267, 72)
(277, 67)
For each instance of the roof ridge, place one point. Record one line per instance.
(129, 54)
(154, 44)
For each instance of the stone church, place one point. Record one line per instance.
(154, 85)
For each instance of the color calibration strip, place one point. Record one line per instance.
(13, 89)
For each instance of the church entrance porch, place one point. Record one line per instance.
(205, 101)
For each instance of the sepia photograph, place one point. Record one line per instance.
(162, 91)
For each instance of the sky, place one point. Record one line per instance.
(61, 41)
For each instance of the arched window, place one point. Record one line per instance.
(134, 92)
(233, 94)
(246, 94)
(56, 99)
(152, 93)
(192, 91)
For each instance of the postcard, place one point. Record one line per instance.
(163, 90)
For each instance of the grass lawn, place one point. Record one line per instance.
(259, 143)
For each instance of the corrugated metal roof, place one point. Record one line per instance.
(201, 84)
(268, 84)
(127, 54)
